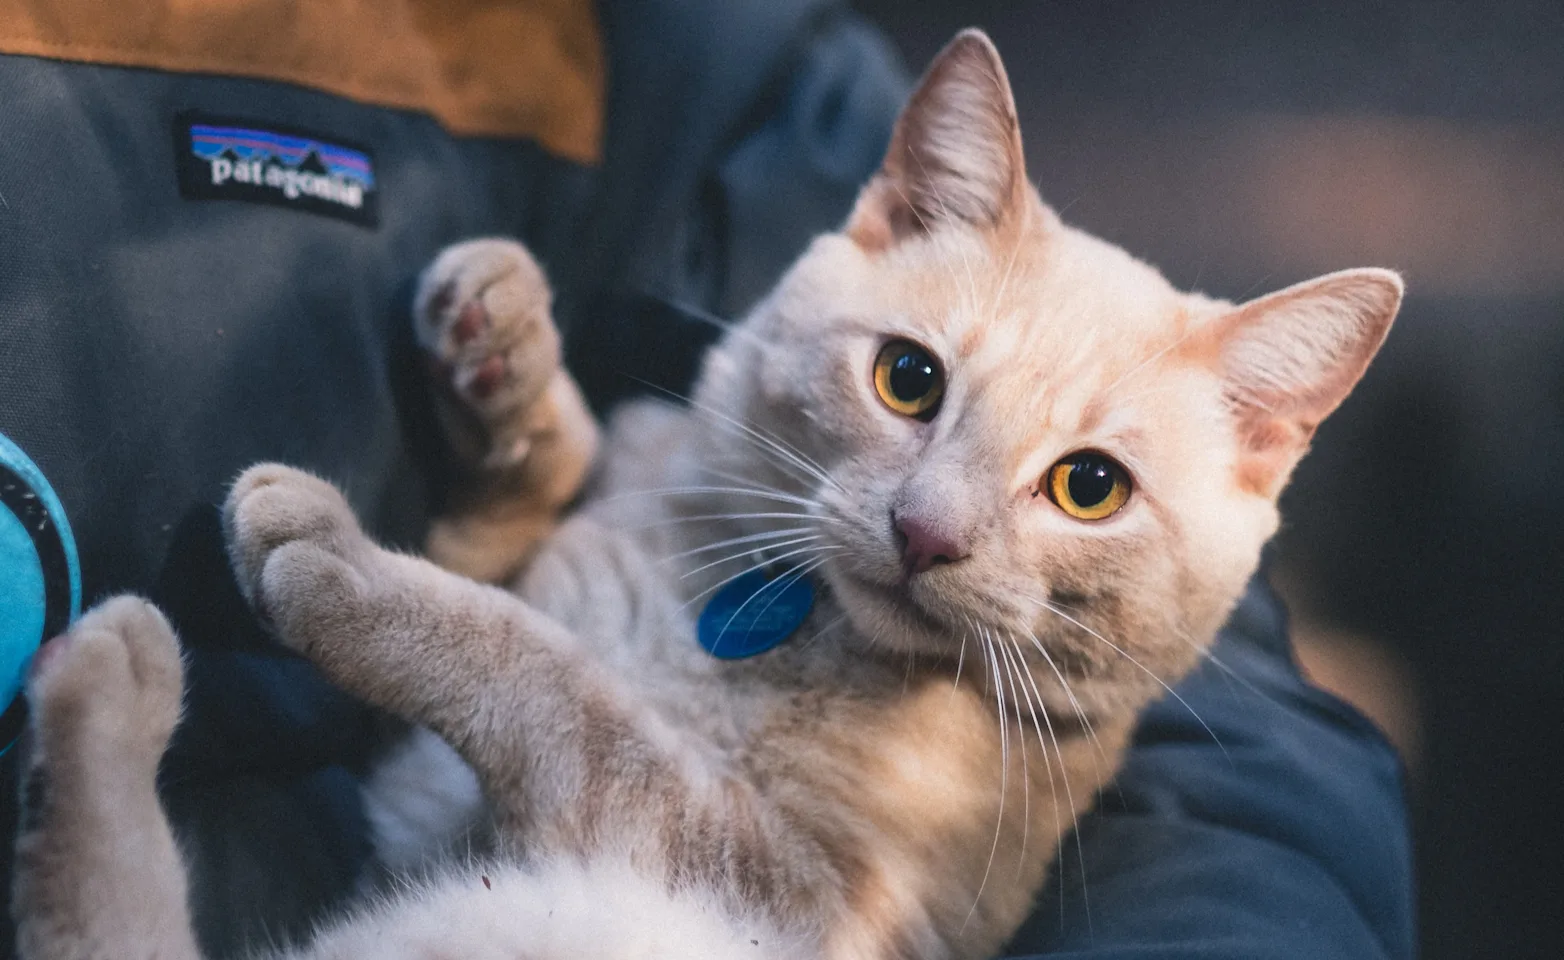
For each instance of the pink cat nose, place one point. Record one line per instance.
(925, 546)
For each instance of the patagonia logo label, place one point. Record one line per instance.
(242, 160)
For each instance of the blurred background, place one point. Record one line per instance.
(1242, 147)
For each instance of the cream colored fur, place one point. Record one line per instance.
(892, 782)
(551, 909)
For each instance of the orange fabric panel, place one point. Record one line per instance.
(503, 68)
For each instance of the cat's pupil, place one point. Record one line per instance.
(1091, 481)
(913, 375)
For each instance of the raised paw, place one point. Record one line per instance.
(482, 313)
(275, 515)
(109, 687)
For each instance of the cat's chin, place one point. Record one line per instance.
(891, 614)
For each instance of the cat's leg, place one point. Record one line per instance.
(98, 875)
(517, 422)
(523, 440)
(548, 734)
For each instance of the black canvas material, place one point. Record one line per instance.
(152, 346)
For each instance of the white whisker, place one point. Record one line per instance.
(1162, 683)
(750, 553)
(702, 490)
(1075, 704)
(733, 327)
(1069, 796)
(736, 541)
(790, 578)
(1004, 281)
(748, 482)
(961, 659)
(1053, 787)
(991, 658)
(826, 550)
(1016, 692)
(708, 517)
(818, 634)
(1228, 672)
(1151, 359)
(775, 444)
(969, 293)
(939, 197)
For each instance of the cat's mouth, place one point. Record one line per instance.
(895, 615)
(896, 601)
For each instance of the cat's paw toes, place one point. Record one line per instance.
(312, 597)
(272, 507)
(482, 313)
(111, 684)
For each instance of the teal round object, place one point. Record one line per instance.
(22, 602)
(40, 577)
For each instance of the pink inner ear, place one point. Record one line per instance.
(1290, 358)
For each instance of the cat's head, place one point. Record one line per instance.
(1031, 437)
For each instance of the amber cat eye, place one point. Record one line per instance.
(909, 380)
(1088, 486)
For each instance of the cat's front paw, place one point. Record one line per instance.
(482, 312)
(110, 686)
(294, 545)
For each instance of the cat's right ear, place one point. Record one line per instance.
(955, 155)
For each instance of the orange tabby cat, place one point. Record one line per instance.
(1024, 478)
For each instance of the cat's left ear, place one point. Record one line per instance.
(1290, 358)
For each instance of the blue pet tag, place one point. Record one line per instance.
(40, 581)
(754, 613)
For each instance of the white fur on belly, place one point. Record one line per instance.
(557, 911)
(422, 802)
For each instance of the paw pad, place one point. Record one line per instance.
(482, 314)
